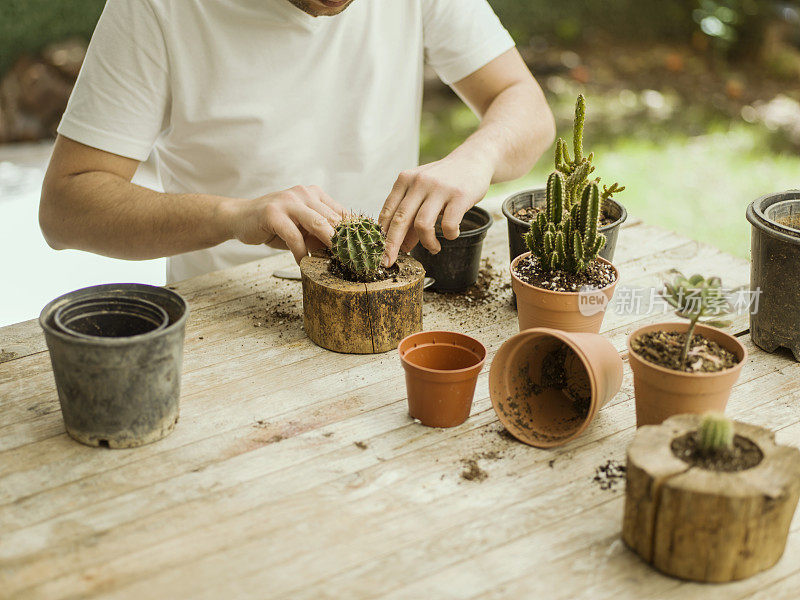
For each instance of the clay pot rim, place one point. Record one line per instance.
(553, 292)
(678, 327)
(756, 216)
(407, 363)
(481, 230)
(594, 406)
(508, 215)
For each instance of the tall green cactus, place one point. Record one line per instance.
(566, 239)
(577, 169)
(715, 433)
(358, 244)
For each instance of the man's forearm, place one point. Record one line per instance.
(103, 213)
(515, 131)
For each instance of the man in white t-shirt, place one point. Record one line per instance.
(266, 121)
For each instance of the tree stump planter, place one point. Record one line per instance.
(361, 318)
(708, 525)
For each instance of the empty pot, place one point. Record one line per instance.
(117, 364)
(542, 415)
(441, 370)
(457, 265)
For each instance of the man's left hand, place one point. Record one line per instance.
(447, 187)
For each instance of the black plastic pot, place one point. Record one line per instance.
(457, 264)
(517, 228)
(775, 273)
(117, 353)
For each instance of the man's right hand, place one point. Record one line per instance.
(299, 219)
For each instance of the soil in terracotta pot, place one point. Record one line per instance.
(792, 221)
(596, 276)
(562, 370)
(527, 214)
(744, 454)
(664, 348)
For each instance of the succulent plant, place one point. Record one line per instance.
(566, 238)
(715, 433)
(577, 169)
(358, 244)
(697, 298)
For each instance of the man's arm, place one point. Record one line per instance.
(516, 128)
(89, 203)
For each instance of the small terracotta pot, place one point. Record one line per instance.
(661, 392)
(442, 370)
(567, 311)
(546, 418)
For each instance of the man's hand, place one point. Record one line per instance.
(447, 187)
(299, 219)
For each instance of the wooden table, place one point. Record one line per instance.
(296, 473)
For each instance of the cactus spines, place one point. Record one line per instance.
(715, 433)
(358, 244)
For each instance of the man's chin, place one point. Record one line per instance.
(322, 8)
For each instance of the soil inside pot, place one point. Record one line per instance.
(342, 272)
(467, 224)
(529, 213)
(744, 454)
(562, 370)
(596, 276)
(664, 348)
(792, 221)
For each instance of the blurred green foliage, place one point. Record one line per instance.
(26, 26)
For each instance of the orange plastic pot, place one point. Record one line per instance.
(546, 417)
(442, 370)
(661, 392)
(567, 311)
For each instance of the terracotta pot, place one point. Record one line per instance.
(567, 311)
(442, 370)
(661, 392)
(546, 418)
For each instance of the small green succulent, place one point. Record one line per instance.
(358, 244)
(715, 433)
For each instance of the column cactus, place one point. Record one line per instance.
(566, 239)
(358, 244)
(715, 434)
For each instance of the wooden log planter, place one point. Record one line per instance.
(361, 318)
(706, 524)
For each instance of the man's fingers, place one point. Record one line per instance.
(412, 239)
(454, 212)
(425, 221)
(314, 223)
(400, 224)
(333, 210)
(393, 201)
(288, 231)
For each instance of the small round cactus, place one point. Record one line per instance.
(358, 244)
(715, 433)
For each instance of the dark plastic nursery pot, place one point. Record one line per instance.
(517, 228)
(117, 353)
(457, 264)
(548, 417)
(442, 370)
(775, 272)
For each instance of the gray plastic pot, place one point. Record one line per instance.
(117, 364)
(775, 273)
(517, 228)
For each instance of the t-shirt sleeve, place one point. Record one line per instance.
(461, 36)
(120, 99)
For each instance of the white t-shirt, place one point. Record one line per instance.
(241, 98)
